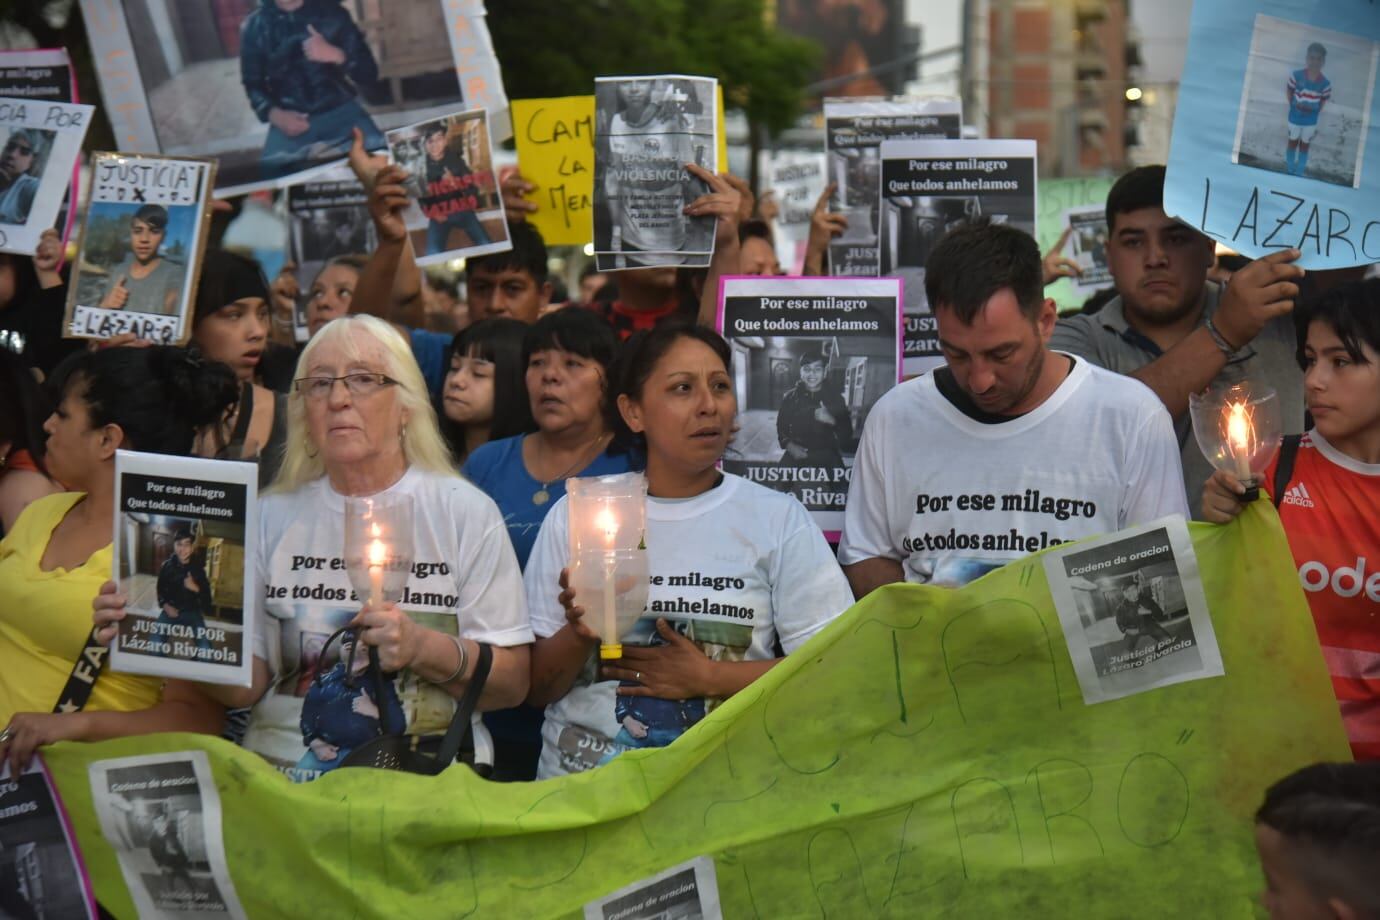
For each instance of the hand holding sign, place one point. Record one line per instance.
(1257, 294)
(29, 731)
(320, 51)
(825, 225)
(387, 201)
(1057, 265)
(515, 190)
(117, 296)
(47, 258)
(723, 201)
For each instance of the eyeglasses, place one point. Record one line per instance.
(316, 388)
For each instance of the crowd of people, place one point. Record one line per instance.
(483, 428)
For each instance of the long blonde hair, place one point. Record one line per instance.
(422, 444)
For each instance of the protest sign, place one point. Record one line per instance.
(853, 133)
(161, 814)
(1133, 611)
(928, 187)
(41, 872)
(140, 249)
(328, 219)
(184, 558)
(44, 75)
(274, 93)
(40, 150)
(795, 179)
(457, 209)
(1057, 197)
(1087, 246)
(963, 777)
(646, 130)
(814, 355)
(688, 890)
(1275, 120)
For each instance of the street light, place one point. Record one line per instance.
(1133, 94)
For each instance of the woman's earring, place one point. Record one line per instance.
(310, 454)
(403, 434)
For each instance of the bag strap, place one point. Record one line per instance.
(245, 412)
(464, 710)
(77, 691)
(1284, 468)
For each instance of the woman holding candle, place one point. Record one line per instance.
(59, 552)
(735, 568)
(1327, 489)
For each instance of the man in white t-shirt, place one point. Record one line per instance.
(1010, 447)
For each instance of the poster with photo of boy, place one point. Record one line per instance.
(646, 129)
(184, 557)
(161, 815)
(1087, 245)
(45, 75)
(928, 187)
(457, 208)
(140, 250)
(854, 130)
(40, 143)
(41, 869)
(328, 220)
(811, 357)
(1133, 610)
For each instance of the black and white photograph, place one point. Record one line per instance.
(140, 248)
(39, 145)
(689, 891)
(1306, 102)
(796, 179)
(1087, 245)
(330, 235)
(41, 869)
(183, 559)
(646, 130)
(811, 357)
(854, 130)
(276, 88)
(457, 208)
(927, 188)
(161, 814)
(1133, 611)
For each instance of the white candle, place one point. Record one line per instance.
(607, 523)
(1240, 438)
(610, 621)
(378, 555)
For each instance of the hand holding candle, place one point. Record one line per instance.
(1238, 428)
(608, 562)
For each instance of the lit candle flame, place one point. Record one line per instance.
(606, 522)
(378, 553)
(1240, 437)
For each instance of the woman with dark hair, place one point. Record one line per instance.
(22, 477)
(333, 290)
(58, 554)
(762, 573)
(146, 281)
(485, 394)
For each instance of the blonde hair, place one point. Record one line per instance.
(422, 444)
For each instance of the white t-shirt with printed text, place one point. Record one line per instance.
(464, 581)
(952, 498)
(735, 570)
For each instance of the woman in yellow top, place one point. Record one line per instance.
(54, 560)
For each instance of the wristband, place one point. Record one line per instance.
(1220, 340)
(464, 661)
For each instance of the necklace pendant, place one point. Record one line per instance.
(541, 496)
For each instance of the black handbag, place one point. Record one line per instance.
(396, 750)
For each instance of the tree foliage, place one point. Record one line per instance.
(549, 49)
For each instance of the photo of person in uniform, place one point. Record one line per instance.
(19, 171)
(813, 424)
(184, 591)
(303, 63)
(450, 197)
(341, 711)
(146, 281)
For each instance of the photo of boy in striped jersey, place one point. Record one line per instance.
(1308, 91)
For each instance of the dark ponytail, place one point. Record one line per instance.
(159, 395)
(639, 358)
(23, 407)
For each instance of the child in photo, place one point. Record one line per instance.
(1308, 92)
(341, 712)
(146, 281)
(184, 591)
(18, 184)
(450, 198)
(813, 424)
(1138, 616)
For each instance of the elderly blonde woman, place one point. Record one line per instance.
(359, 424)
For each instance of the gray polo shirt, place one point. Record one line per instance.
(1106, 339)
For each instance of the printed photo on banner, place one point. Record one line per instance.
(646, 130)
(1087, 245)
(929, 187)
(184, 558)
(854, 130)
(1305, 106)
(811, 356)
(290, 80)
(330, 235)
(39, 145)
(458, 208)
(1133, 611)
(795, 180)
(140, 250)
(161, 815)
(41, 869)
(1275, 130)
(689, 891)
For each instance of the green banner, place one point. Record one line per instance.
(929, 754)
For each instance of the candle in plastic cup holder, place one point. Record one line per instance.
(379, 546)
(608, 555)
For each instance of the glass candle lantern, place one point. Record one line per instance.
(608, 553)
(1239, 429)
(379, 546)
